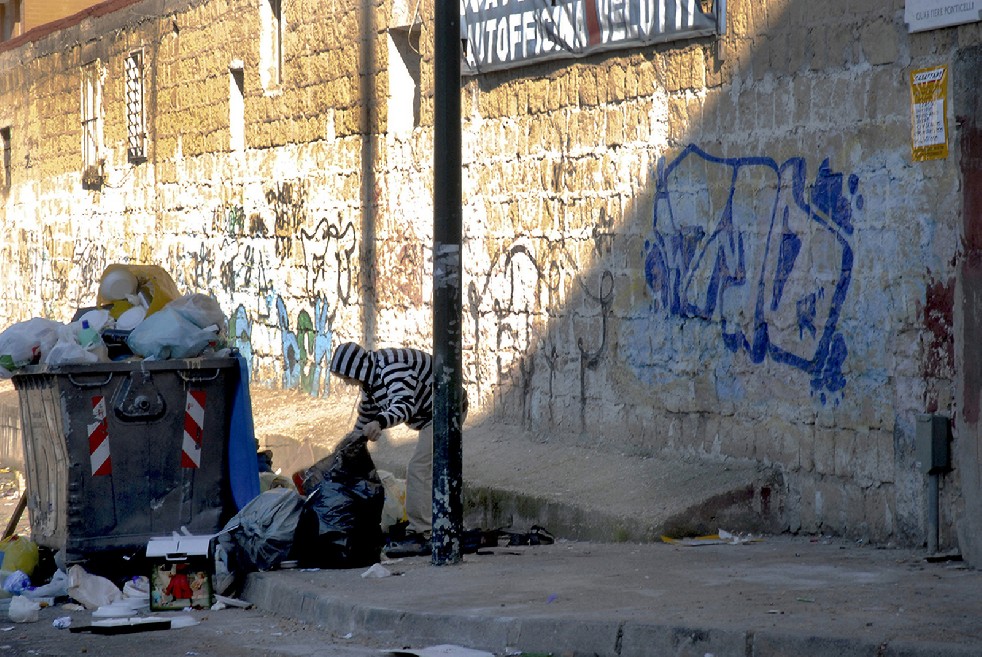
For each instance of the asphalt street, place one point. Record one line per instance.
(227, 633)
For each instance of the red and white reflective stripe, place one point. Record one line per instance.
(194, 421)
(99, 439)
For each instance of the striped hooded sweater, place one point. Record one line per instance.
(396, 384)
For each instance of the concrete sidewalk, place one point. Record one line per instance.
(777, 596)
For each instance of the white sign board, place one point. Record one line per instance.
(921, 15)
(502, 34)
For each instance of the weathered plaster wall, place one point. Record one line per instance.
(701, 249)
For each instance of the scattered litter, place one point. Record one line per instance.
(348, 635)
(137, 587)
(18, 553)
(219, 606)
(377, 571)
(23, 610)
(440, 651)
(774, 611)
(92, 591)
(114, 610)
(71, 606)
(186, 620)
(552, 598)
(233, 602)
(16, 582)
(723, 537)
(62, 623)
(805, 599)
(56, 588)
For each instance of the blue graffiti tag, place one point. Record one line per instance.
(744, 242)
(307, 351)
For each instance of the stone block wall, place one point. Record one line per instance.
(714, 248)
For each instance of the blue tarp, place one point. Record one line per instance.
(242, 469)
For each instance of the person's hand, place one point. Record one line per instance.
(372, 430)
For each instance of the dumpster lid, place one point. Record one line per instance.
(126, 366)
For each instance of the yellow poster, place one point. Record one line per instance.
(929, 105)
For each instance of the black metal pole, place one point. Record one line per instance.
(447, 455)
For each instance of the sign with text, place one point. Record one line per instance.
(921, 15)
(929, 99)
(501, 34)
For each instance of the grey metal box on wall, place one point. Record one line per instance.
(931, 443)
(118, 453)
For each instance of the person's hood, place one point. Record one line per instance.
(352, 360)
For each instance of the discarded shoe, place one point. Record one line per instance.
(536, 535)
(414, 545)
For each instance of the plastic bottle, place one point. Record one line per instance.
(88, 335)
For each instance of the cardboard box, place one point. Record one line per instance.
(181, 569)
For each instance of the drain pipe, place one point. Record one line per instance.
(931, 447)
(933, 513)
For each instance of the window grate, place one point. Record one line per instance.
(135, 122)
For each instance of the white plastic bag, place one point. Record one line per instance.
(22, 342)
(201, 310)
(67, 349)
(167, 334)
(91, 591)
(57, 587)
(23, 610)
(138, 587)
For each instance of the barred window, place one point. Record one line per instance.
(136, 151)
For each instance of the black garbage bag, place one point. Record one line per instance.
(340, 523)
(260, 535)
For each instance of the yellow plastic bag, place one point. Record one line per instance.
(125, 286)
(394, 506)
(19, 553)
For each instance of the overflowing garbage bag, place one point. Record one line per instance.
(260, 535)
(26, 342)
(138, 314)
(181, 329)
(340, 522)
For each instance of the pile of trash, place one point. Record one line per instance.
(112, 608)
(335, 520)
(340, 522)
(139, 313)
